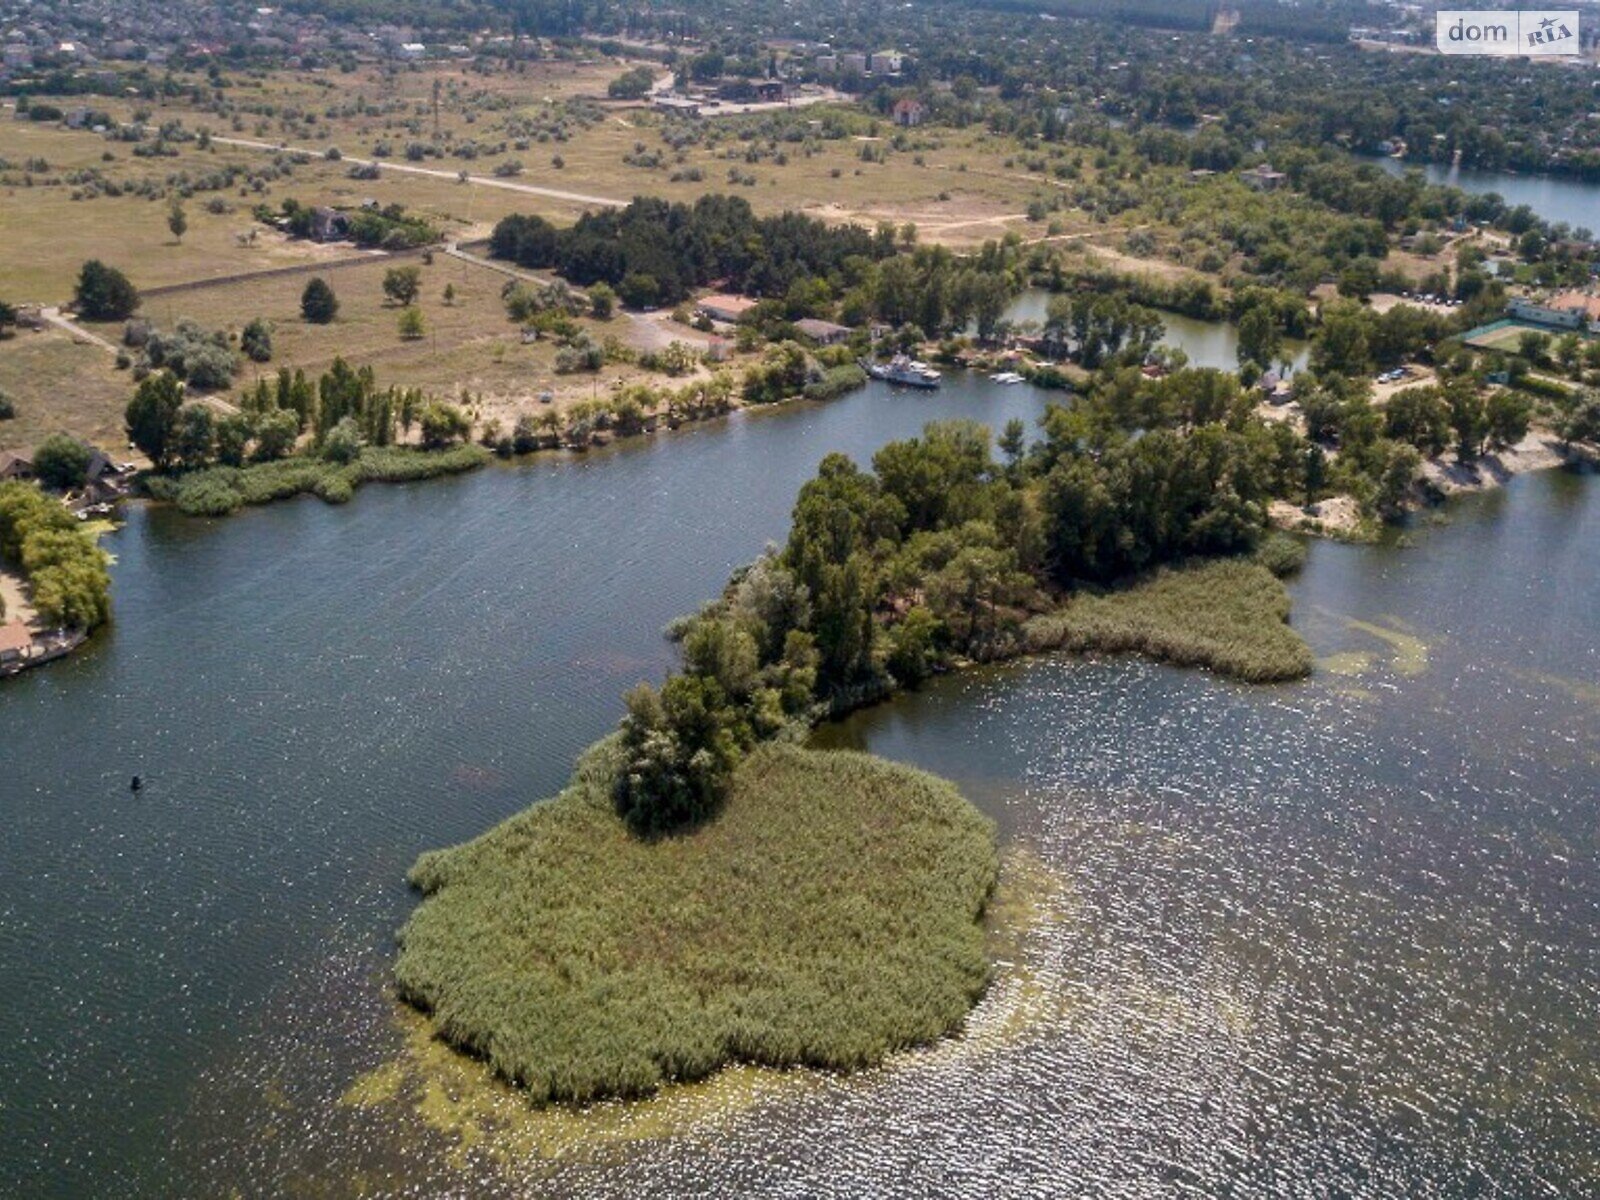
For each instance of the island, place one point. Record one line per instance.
(706, 891)
(830, 915)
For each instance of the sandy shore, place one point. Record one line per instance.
(1539, 451)
(1443, 476)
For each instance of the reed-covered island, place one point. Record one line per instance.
(829, 915)
(705, 891)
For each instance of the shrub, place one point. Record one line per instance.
(256, 341)
(318, 304)
(104, 293)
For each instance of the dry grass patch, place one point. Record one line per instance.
(58, 386)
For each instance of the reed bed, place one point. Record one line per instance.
(218, 491)
(1231, 615)
(829, 916)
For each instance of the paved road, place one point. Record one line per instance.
(509, 185)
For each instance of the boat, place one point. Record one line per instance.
(1007, 377)
(904, 372)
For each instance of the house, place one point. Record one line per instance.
(856, 63)
(15, 465)
(1579, 302)
(680, 105)
(886, 62)
(101, 469)
(329, 225)
(1571, 319)
(1263, 178)
(823, 333)
(908, 112)
(728, 309)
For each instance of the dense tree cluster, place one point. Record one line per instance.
(202, 358)
(343, 410)
(940, 550)
(66, 571)
(656, 252)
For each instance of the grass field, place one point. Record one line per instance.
(1505, 338)
(829, 916)
(960, 187)
(60, 386)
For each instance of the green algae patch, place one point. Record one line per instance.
(830, 915)
(461, 1099)
(1229, 615)
(1410, 655)
(1348, 663)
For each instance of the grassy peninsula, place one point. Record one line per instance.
(1230, 615)
(828, 916)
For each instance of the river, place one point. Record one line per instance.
(1549, 196)
(1339, 936)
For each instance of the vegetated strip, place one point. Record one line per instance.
(65, 570)
(218, 491)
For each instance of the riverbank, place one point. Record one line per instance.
(1540, 450)
(1439, 479)
(831, 914)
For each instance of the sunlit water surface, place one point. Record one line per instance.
(1335, 938)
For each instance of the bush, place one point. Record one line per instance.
(318, 304)
(256, 341)
(1281, 553)
(443, 424)
(104, 293)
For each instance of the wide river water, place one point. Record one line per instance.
(1334, 938)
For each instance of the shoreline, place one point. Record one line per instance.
(1440, 479)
